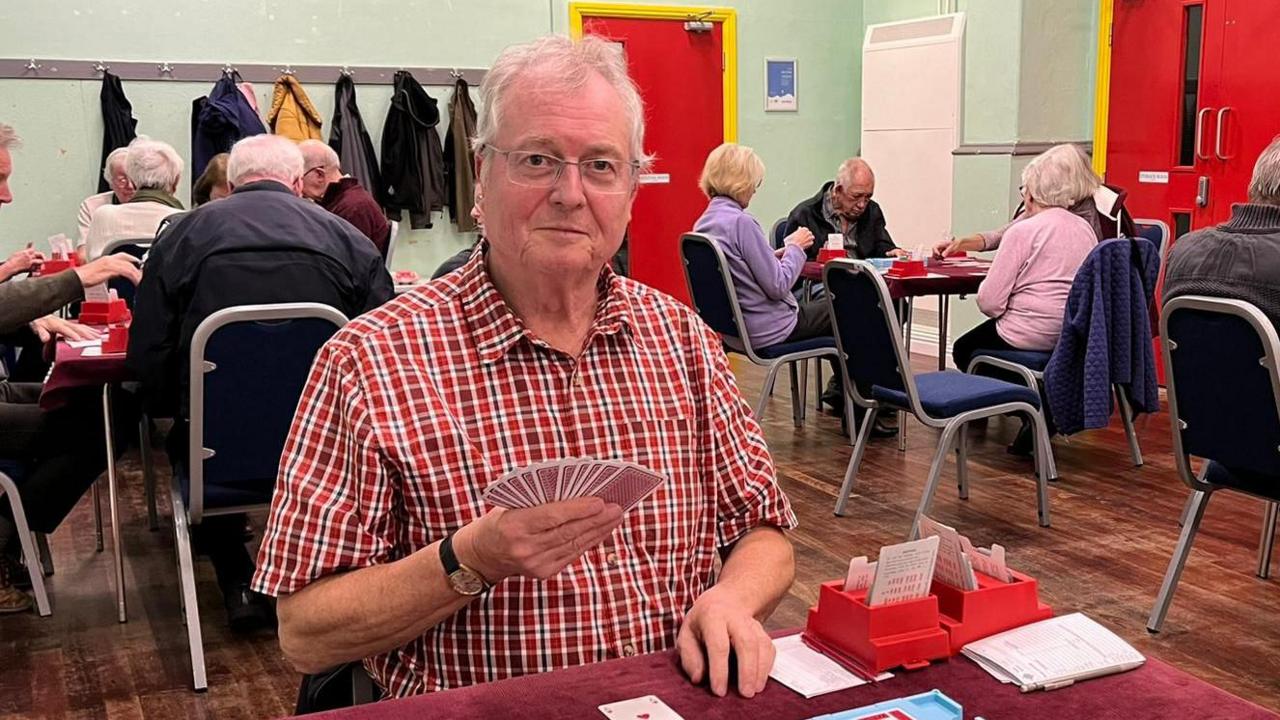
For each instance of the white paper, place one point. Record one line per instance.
(85, 343)
(951, 567)
(990, 562)
(59, 247)
(97, 293)
(904, 572)
(808, 671)
(861, 573)
(835, 241)
(1053, 653)
(94, 351)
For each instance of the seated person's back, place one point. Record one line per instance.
(153, 170)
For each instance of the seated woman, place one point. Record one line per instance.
(1102, 206)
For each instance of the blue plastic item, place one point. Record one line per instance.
(932, 705)
(881, 264)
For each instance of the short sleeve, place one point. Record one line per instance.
(333, 508)
(737, 457)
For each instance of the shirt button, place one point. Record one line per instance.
(628, 650)
(612, 559)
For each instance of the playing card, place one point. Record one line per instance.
(629, 486)
(548, 475)
(601, 474)
(648, 707)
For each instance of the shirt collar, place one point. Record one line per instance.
(496, 328)
(828, 210)
(337, 188)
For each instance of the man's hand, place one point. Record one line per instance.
(50, 326)
(801, 238)
(535, 542)
(897, 253)
(717, 623)
(110, 266)
(25, 260)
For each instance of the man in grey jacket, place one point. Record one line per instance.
(58, 474)
(1239, 259)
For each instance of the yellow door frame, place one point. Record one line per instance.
(1102, 87)
(727, 17)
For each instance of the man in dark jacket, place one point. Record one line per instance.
(262, 244)
(324, 184)
(1239, 259)
(844, 206)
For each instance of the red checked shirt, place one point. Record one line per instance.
(412, 409)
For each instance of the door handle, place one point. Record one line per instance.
(1200, 131)
(1217, 140)
(1202, 192)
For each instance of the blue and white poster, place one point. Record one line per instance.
(780, 85)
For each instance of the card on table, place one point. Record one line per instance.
(622, 483)
(648, 707)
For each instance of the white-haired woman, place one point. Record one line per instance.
(154, 169)
(1102, 206)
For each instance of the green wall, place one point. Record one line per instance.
(61, 125)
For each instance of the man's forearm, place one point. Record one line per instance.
(759, 570)
(364, 612)
(24, 301)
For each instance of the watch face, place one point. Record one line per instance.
(466, 582)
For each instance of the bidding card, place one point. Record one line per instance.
(648, 707)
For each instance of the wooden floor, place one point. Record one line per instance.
(1114, 527)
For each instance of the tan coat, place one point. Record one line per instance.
(292, 114)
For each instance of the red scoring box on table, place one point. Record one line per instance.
(996, 606)
(97, 312)
(869, 640)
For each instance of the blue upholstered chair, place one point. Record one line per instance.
(10, 473)
(877, 375)
(249, 365)
(776, 235)
(1221, 360)
(716, 302)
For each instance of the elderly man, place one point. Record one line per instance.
(121, 191)
(323, 182)
(844, 206)
(58, 473)
(263, 244)
(1239, 259)
(380, 545)
(154, 169)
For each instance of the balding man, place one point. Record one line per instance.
(121, 190)
(324, 183)
(844, 206)
(154, 169)
(262, 244)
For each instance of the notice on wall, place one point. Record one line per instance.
(780, 85)
(1158, 177)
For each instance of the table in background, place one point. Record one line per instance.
(1153, 691)
(72, 370)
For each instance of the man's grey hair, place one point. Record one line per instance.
(153, 165)
(1264, 188)
(318, 154)
(115, 159)
(8, 137)
(1060, 177)
(264, 157)
(849, 168)
(566, 65)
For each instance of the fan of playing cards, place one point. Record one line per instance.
(621, 483)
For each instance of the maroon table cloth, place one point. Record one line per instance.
(1153, 691)
(956, 280)
(72, 370)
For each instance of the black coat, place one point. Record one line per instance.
(870, 238)
(412, 157)
(348, 137)
(119, 127)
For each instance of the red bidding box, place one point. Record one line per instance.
(53, 266)
(96, 312)
(968, 615)
(825, 256)
(869, 640)
(117, 340)
(906, 268)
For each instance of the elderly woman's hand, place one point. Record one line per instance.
(801, 238)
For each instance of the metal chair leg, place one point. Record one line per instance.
(187, 580)
(766, 391)
(797, 399)
(962, 462)
(935, 474)
(1196, 512)
(817, 385)
(803, 396)
(1267, 541)
(148, 471)
(1045, 467)
(1126, 415)
(97, 516)
(9, 490)
(46, 558)
(855, 460)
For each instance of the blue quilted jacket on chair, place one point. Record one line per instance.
(1106, 337)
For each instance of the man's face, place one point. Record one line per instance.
(120, 184)
(315, 182)
(570, 228)
(850, 199)
(6, 169)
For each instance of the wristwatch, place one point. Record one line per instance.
(462, 579)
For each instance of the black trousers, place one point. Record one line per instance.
(813, 321)
(983, 337)
(63, 449)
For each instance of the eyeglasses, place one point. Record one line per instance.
(606, 176)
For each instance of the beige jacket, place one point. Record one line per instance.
(292, 114)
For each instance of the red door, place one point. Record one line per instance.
(1247, 115)
(681, 78)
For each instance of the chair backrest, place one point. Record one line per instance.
(249, 364)
(711, 288)
(776, 233)
(391, 242)
(1157, 231)
(137, 247)
(868, 334)
(1221, 360)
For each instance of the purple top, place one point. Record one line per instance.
(763, 281)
